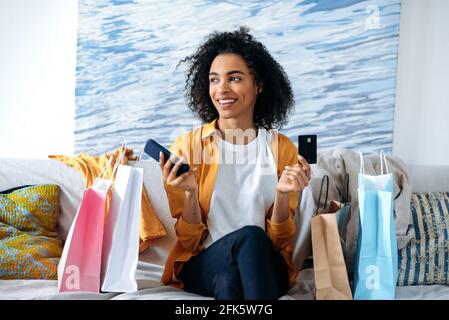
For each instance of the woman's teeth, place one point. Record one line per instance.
(226, 102)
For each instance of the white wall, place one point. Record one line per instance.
(421, 130)
(37, 77)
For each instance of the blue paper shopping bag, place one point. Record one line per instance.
(376, 266)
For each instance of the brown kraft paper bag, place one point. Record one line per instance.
(331, 277)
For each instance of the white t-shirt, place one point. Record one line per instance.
(245, 186)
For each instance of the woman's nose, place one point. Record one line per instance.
(223, 86)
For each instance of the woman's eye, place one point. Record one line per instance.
(213, 80)
(235, 79)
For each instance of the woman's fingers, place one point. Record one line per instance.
(300, 172)
(183, 176)
(166, 169)
(304, 176)
(292, 179)
(297, 182)
(161, 161)
(172, 176)
(305, 165)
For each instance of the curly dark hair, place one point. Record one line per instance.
(273, 104)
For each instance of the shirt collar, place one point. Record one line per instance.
(209, 129)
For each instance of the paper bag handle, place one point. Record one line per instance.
(325, 177)
(362, 165)
(383, 158)
(344, 197)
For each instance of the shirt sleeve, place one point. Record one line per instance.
(189, 235)
(282, 234)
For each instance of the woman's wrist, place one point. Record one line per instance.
(282, 195)
(191, 193)
(191, 213)
(281, 209)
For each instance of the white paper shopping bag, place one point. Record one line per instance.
(121, 234)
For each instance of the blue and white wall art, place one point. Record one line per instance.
(340, 55)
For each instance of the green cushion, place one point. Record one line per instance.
(29, 244)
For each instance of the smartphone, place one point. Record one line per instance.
(152, 148)
(307, 147)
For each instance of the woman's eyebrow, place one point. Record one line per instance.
(228, 73)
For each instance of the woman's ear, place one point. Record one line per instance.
(259, 88)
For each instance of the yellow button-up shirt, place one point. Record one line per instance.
(199, 148)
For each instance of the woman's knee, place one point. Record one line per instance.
(227, 285)
(251, 240)
(253, 234)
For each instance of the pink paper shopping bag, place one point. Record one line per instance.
(80, 266)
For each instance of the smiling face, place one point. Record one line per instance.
(232, 87)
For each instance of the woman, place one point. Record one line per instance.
(235, 207)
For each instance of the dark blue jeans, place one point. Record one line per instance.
(241, 265)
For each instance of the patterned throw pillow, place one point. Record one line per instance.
(425, 260)
(29, 244)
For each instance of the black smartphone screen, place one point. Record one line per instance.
(307, 147)
(152, 148)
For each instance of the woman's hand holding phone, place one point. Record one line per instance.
(185, 181)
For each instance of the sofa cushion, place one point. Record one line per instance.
(425, 260)
(19, 172)
(29, 243)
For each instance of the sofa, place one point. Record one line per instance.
(18, 172)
